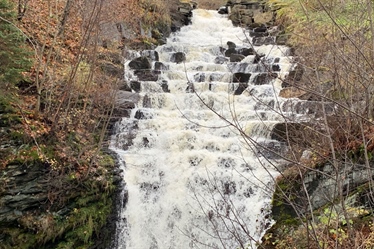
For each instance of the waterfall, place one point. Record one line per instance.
(193, 179)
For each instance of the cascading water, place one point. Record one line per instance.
(193, 179)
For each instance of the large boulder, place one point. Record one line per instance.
(181, 13)
(140, 63)
(249, 13)
(125, 102)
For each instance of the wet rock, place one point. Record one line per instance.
(199, 77)
(24, 188)
(268, 40)
(257, 58)
(275, 68)
(295, 75)
(230, 51)
(220, 60)
(241, 88)
(125, 102)
(147, 75)
(151, 54)
(140, 63)
(124, 86)
(143, 114)
(165, 86)
(315, 108)
(241, 77)
(223, 10)
(135, 85)
(272, 149)
(231, 45)
(236, 57)
(246, 51)
(160, 66)
(178, 57)
(264, 78)
(147, 101)
(285, 132)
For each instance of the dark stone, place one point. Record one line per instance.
(241, 88)
(268, 40)
(220, 60)
(199, 77)
(246, 51)
(258, 34)
(180, 14)
(147, 75)
(283, 132)
(241, 77)
(190, 88)
(264, 78)
(231, 45)
(236, 57)
(124, 86)
(165, 86)
(125, 102)
(151, 54)
(230, 51)
(175, 28)
(275, 68)
(24, 188)
(145, 142)
(178, 57)
(160, 66)
(296, 74)
(272, 149)
(142, 114)
(135, 85)
(260, 29)
(223, 10)
(257, 58)
(293, 76)
(140, 63)
(147, 101)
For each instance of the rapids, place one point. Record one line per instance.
(193, 168)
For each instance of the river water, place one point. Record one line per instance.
(195, 174)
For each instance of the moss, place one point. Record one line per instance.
(72, 224)
(107, 160)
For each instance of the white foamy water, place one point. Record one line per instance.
(194, 180)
